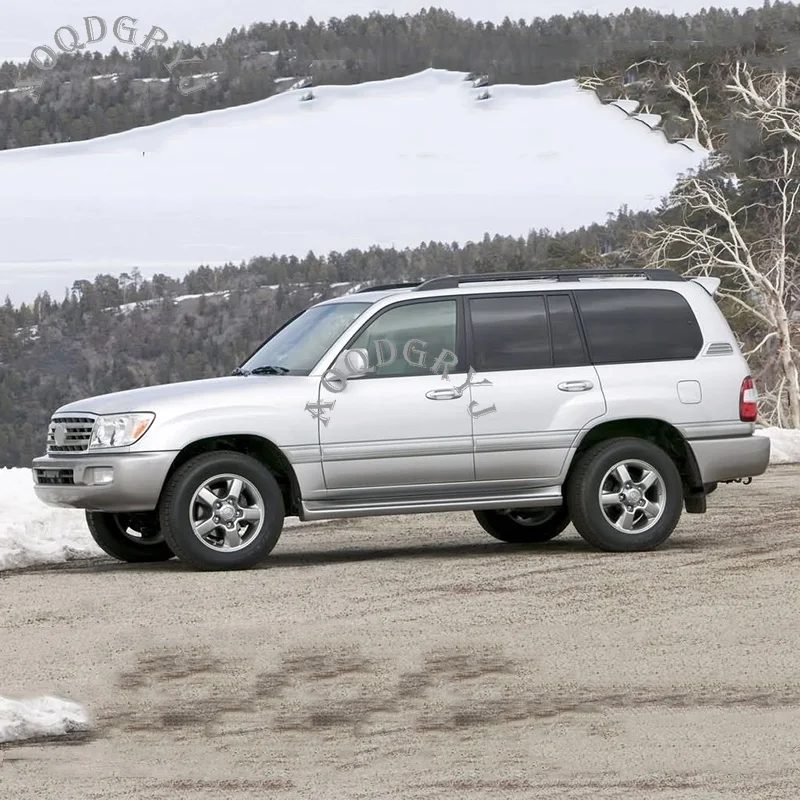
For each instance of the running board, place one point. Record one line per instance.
(332, 509)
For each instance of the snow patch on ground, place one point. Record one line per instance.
(36, 533)
(785, 445)
(40, 717)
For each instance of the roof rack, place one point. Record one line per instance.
(385, 286)
(454, 281)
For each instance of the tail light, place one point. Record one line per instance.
(748, 401)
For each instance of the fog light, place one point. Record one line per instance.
(98, 476)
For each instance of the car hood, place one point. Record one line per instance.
(180, 398)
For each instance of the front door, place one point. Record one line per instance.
(541, 385)
(400, 428)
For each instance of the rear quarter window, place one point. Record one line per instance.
(638, 325)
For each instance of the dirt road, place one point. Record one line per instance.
(418, 658)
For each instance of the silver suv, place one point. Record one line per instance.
(610, 399)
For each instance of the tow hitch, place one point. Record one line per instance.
(743, 481)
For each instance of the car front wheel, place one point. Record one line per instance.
(222, 511)
(524, 525)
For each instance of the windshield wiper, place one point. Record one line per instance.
(240, 371)
(269, 370)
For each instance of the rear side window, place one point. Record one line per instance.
(510, 333)
(638, 325)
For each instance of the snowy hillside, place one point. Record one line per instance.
(392, 163)
(23, 26)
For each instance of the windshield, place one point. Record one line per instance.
(296, 348)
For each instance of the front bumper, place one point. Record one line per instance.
(728, 459)
(69, 482)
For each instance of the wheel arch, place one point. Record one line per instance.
(659, 432)
(263, 450)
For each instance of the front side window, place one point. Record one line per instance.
(638, 325)
(510, 333)
(411, 339)
(298, 347)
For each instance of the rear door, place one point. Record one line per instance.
(542, 387)
(645, 344)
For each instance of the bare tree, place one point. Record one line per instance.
(759, 270)
(679, 84)
(745, 232)
(768, 99)
(660, 73)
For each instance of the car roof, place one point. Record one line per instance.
(497, 283)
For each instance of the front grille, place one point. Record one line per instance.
(55, 477)
(77, 434)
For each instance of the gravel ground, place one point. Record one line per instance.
(418, 658)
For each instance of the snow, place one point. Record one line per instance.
(651, 120)
(40, 717)
(36, 533)
(23, 26)
(127, 308)
(392, 163)
(32, 333)
(691, 144)
(785, 448)
(184, 297)
(628, 106)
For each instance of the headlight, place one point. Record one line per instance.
(120, 430)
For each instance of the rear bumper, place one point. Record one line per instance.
(138, 478)
(728, 459)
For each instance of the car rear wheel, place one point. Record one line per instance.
(222, 511)
(134, 538)
(524, 525)
(625, 495)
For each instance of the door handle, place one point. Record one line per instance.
(575, 386)
(443, 394)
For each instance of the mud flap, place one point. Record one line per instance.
(695, 502)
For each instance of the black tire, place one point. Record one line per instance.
(542, 525)
(112, 532)
(587, 511)
(176, 506)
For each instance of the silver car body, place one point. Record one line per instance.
(393, 446)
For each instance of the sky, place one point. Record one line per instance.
(393, 163)
(23, 26)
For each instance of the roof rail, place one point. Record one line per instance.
(454, 281)
(386, 286)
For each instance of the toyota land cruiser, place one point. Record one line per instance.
(610, 399)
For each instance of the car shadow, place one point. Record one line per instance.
(349, 555)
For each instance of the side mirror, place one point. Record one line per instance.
(353, 363)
